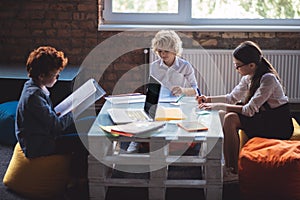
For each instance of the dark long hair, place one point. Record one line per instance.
(249, 52)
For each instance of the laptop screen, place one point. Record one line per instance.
(152, 96)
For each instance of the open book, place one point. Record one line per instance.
(80, 99)
(133, 128)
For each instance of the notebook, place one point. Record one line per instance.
(166, 96)
(126, 115)
(192, 126)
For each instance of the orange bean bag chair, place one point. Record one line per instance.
(270, 169)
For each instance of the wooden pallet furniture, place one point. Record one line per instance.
(105, 157)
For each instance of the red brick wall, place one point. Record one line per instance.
(72, 26)
(67, 25)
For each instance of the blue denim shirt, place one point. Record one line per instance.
(37, 124)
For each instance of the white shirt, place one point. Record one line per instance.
(181, 73)
(270, 90)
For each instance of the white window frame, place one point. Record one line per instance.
(146, 18)
(184, 20)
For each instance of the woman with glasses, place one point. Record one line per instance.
(257, 105)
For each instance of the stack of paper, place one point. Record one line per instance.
(166, 114)
(133, 128)
(126, 98)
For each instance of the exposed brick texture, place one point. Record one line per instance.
(72, 26)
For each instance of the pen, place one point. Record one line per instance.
(198, 91)
(180, 98)
(199, 94)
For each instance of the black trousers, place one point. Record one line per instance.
(72, 145)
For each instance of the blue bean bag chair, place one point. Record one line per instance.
(7, 122)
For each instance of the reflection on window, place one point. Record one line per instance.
(246, 9)
(145, 6)
(202, 12)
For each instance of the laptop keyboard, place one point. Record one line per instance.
(136, 115)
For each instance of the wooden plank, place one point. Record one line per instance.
(158, 169)
(96, 190)
(125, 182)
(129, 159)
(157, 162)
(185, 183)
(214, 192)
(186, 160)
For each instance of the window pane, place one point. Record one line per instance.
(145, 6)
(246, 9)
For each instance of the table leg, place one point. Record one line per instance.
(213, 169)
(213, 193)
(96, 174)
(158, 169)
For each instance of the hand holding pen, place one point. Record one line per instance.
(200, 98)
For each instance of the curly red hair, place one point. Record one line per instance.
(44, 60)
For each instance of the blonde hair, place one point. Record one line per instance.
(167, 40)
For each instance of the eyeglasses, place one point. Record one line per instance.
(238, 66)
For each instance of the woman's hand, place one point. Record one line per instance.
(213, 106)
(201, 99)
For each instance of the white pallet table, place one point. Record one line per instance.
(104, 158)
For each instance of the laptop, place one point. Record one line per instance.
(127, 115)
